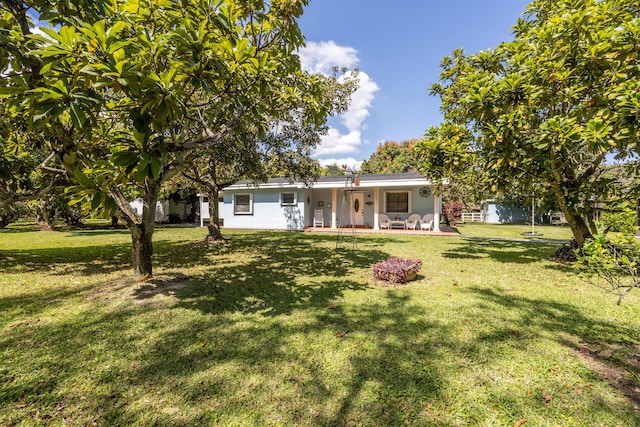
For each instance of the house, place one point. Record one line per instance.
(168, 210)
(279, 204)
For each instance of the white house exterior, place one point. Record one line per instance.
(282, 205)
(204, 208)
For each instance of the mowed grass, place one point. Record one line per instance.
(558, 233)
(279, 328)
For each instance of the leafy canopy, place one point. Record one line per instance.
(547, 107)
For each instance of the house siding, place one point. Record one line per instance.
(498, 213)
(328, 195)
(267, 212)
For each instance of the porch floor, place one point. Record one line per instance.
(445, 230)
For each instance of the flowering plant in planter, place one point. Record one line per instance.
(396, 269)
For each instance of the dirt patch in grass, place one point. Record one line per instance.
(618, 364)
(109, 291)
(139, 292)
(155, 287)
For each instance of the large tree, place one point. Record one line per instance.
(123, 91)
(407, 156)
(551, 105)
(392, 157)
(284, 150)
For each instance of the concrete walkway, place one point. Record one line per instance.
(445, 230)
(507, 239)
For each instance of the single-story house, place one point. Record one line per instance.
(167, 210)
(280, 204)
(162, 209)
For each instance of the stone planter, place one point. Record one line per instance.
(411, 275)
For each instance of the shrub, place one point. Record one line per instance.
(452, 213)
(395, 269)
(613, 260)
(622, 221)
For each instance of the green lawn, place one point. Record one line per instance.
(281, 328)
(509, 231)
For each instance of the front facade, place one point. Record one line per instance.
(282, 205)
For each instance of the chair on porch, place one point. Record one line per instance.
(318, 218)
(412, 221)
(426, 223)
(384, 220)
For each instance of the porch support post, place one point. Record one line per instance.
(334, 207)
(436, 212)
(376, 208)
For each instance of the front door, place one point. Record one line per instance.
(357, 208)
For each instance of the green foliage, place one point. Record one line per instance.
(548, 107)
(613, 259)
(332, 170)
(392, 157)
(123, 93)
(622, 221)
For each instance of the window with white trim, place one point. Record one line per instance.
(397, 202)
(243, 204)
(288, 199)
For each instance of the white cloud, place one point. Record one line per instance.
(36, 30)
(360, 102)
(349, 161)
(321, 58)
(335, 142)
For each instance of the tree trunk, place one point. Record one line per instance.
(592, 224)
(140, 227)
(638, 217)
(142, 251)
(578, 226)
(142, 232)
(214, 215)
(7, 218)
(48, 222)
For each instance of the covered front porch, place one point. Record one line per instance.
(335, 202)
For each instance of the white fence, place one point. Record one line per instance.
(473, 217)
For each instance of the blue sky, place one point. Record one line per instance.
(397, 46)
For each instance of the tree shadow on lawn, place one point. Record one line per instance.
(385, 362)
(386, 374)
(248, 368)
(270, 274)
(611, 351)
(83, 260)
(503, 251)
(265, 344)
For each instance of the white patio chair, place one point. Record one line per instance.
(412, 222)
(384, 221)
(318, 218)
(426, 223)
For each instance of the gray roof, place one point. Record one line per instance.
(328, 180)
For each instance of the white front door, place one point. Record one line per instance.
(357, 208)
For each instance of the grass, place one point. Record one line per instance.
(558, 233)
(282, 329)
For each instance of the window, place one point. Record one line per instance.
(397, 202)
(243, 204)
(288, 199)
